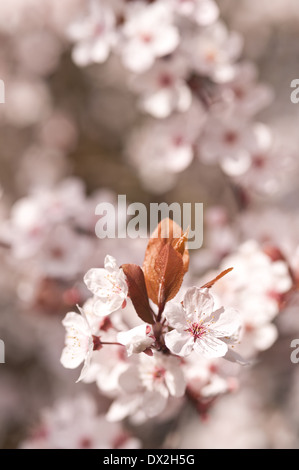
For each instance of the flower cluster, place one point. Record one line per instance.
(184, 66)
(76, 424)
(137, 341)
(161, 101)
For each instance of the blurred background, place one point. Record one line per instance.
(81, 125)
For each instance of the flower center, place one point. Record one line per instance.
(115, 288)
(197, 330)
(85, 443)
(230, 137)
(146, 37)
(57, 252)
(158, 373)
(165, 80)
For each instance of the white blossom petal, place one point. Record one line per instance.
(198, 302)
(210, 346)
(179, 343)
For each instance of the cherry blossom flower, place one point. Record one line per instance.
(79, 342)
(105, 368)
(94, 34)
(197, 327)
(204, 12)
(214, 50)
(170, 152)
(207, 378)
(148, 33)
(232, 142)
(250, 262)
(147, 386)
(273, 168)
(108, 285)
(244, 93)
(258, 298)
(76, 424)
(163, 88)
(64, 253)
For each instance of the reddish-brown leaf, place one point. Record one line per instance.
(167, 233)
(170, 273)
(137, 292)
(212, 282)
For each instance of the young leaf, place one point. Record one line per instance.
(170, 273)
(212, 282)
(166, 261)
(137, 292)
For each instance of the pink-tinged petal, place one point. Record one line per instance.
(124, 406)
(175, 381)
(81, 54)
(264, 336)
(76, 340)
(166, 40)
(153, 403)
(176, 315)
(129, 380)
(137, 57)
(198, 303)
(71, 359)
(182, 156)
(103, 308)
(209, 347)
(206, 12)
(233, 356)
(184, 98)
(159, 104)
(109, 287)
(76, 322)
(225, 322)
(110, 263)
(95, 279)
(136, 340)
(179, 343)
(87, 362)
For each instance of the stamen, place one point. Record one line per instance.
(159, 373)
(197, 330)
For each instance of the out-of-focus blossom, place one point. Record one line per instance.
(147, 34)
(94, 34)
(147, 386)
(214, 50)
(198, 327)
(255, 287)
(206, 379)
(203, 12)
(105, 368)
(163, 88)
(231, 142)
(64, 253)
(76, 424)
(33, 217)
(244, 93)
(271, 171)
(171, 151)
